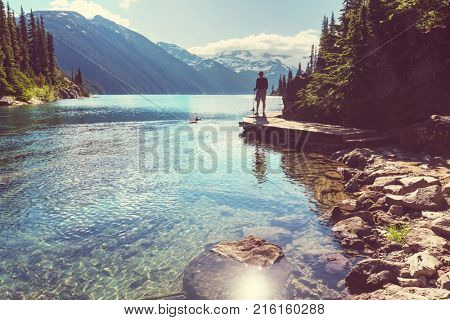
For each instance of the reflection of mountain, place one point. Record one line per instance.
(224, 79)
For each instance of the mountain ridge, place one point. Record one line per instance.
(119, 60)
(220, 75)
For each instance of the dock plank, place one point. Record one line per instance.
(275, 121)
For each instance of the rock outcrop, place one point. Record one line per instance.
(251, 250)
(395, 292)
(372, 274)
(423, 264)
(431, 136)
(441, 227)
(402, 191)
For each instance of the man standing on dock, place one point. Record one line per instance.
(262, 84)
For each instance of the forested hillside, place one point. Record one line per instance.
(120, 60)
(383, 63)
(28, 67)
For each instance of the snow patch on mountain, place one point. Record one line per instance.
(246, 61)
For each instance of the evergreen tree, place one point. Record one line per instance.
(280, 85)
(25, 63)
(312, 59)
(290, 76)
(324, 48)
(284, 86)
(333, 25)
(8, 62)
(5, 88)
(27, 58)
(34, 44)
(299, 71)
(52, 65)
(308, 69)
(43, 49)
(79, 78)
(15, 44)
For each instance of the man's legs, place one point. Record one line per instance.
(258, 100)
(264, 106)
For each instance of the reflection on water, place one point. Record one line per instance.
(260, 166)
(80, 219)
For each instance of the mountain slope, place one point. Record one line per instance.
(120, 60)
(229, 81)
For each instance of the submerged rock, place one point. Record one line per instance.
(334, 262)
(251, 250)
(210, 276)
(274, 234)
(372, 274)
(351, 228)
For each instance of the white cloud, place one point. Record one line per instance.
(125, 4)
(297, 46)
(89, 9)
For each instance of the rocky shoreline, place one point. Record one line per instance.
(69, 91)
(399, 219)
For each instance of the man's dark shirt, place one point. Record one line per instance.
(262, 84)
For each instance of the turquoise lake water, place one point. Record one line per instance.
(110, 197)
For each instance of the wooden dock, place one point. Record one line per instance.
(324, 132)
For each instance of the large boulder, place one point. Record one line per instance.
(443, 281)
(349, 205)
(251, 250)
(430, 198)
(358, 158)
(422, 239)
(411, 184)
(372, 274)
(446, 189)
(441, 227)
(352, 228)
(431, 136)
(423, 264)
(6, 101)
(394, 292)
(381, 183)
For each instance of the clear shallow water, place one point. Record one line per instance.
(111, 197)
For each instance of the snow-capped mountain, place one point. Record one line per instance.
(246, 62)
(225, 79)
(194, 61)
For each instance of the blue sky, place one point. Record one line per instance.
(209, 26)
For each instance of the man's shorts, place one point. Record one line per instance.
(261, 95)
